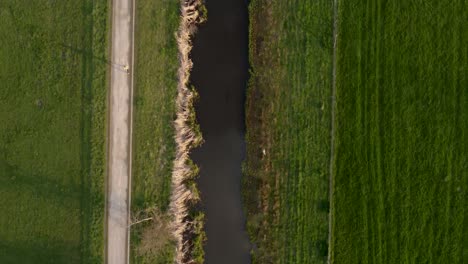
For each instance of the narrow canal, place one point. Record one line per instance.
(220, 76)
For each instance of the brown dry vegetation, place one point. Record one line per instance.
(157, 236)
(185, 225)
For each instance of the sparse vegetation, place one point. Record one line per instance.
(155, 243)
(52, 133)
(288, 130)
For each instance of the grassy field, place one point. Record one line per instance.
(286, 173)
(401, 142)
(154, 112)
(52, 132)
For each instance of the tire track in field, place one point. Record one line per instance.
(332, 129)
(379, 173)
(87, 72)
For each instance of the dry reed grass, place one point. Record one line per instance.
(187, 136)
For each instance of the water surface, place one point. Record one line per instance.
(220, 75)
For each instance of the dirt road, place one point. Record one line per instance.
(120, 133)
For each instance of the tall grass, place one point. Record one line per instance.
(184, 197)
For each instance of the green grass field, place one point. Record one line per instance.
(401, 158)
(154, 112)
(52, 132)
(401, 146)
(288, 130)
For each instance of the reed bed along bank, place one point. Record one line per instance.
(187, 223)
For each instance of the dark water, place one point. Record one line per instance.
(220, 75)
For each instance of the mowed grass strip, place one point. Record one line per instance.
(401, 142)
(52, 133)
(288, 121)
(153, 133)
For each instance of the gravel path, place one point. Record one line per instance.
(120, 133)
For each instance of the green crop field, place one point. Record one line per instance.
(52, 135)
(154, 111)
(401, 157)
(401, 150)
(288, 130)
